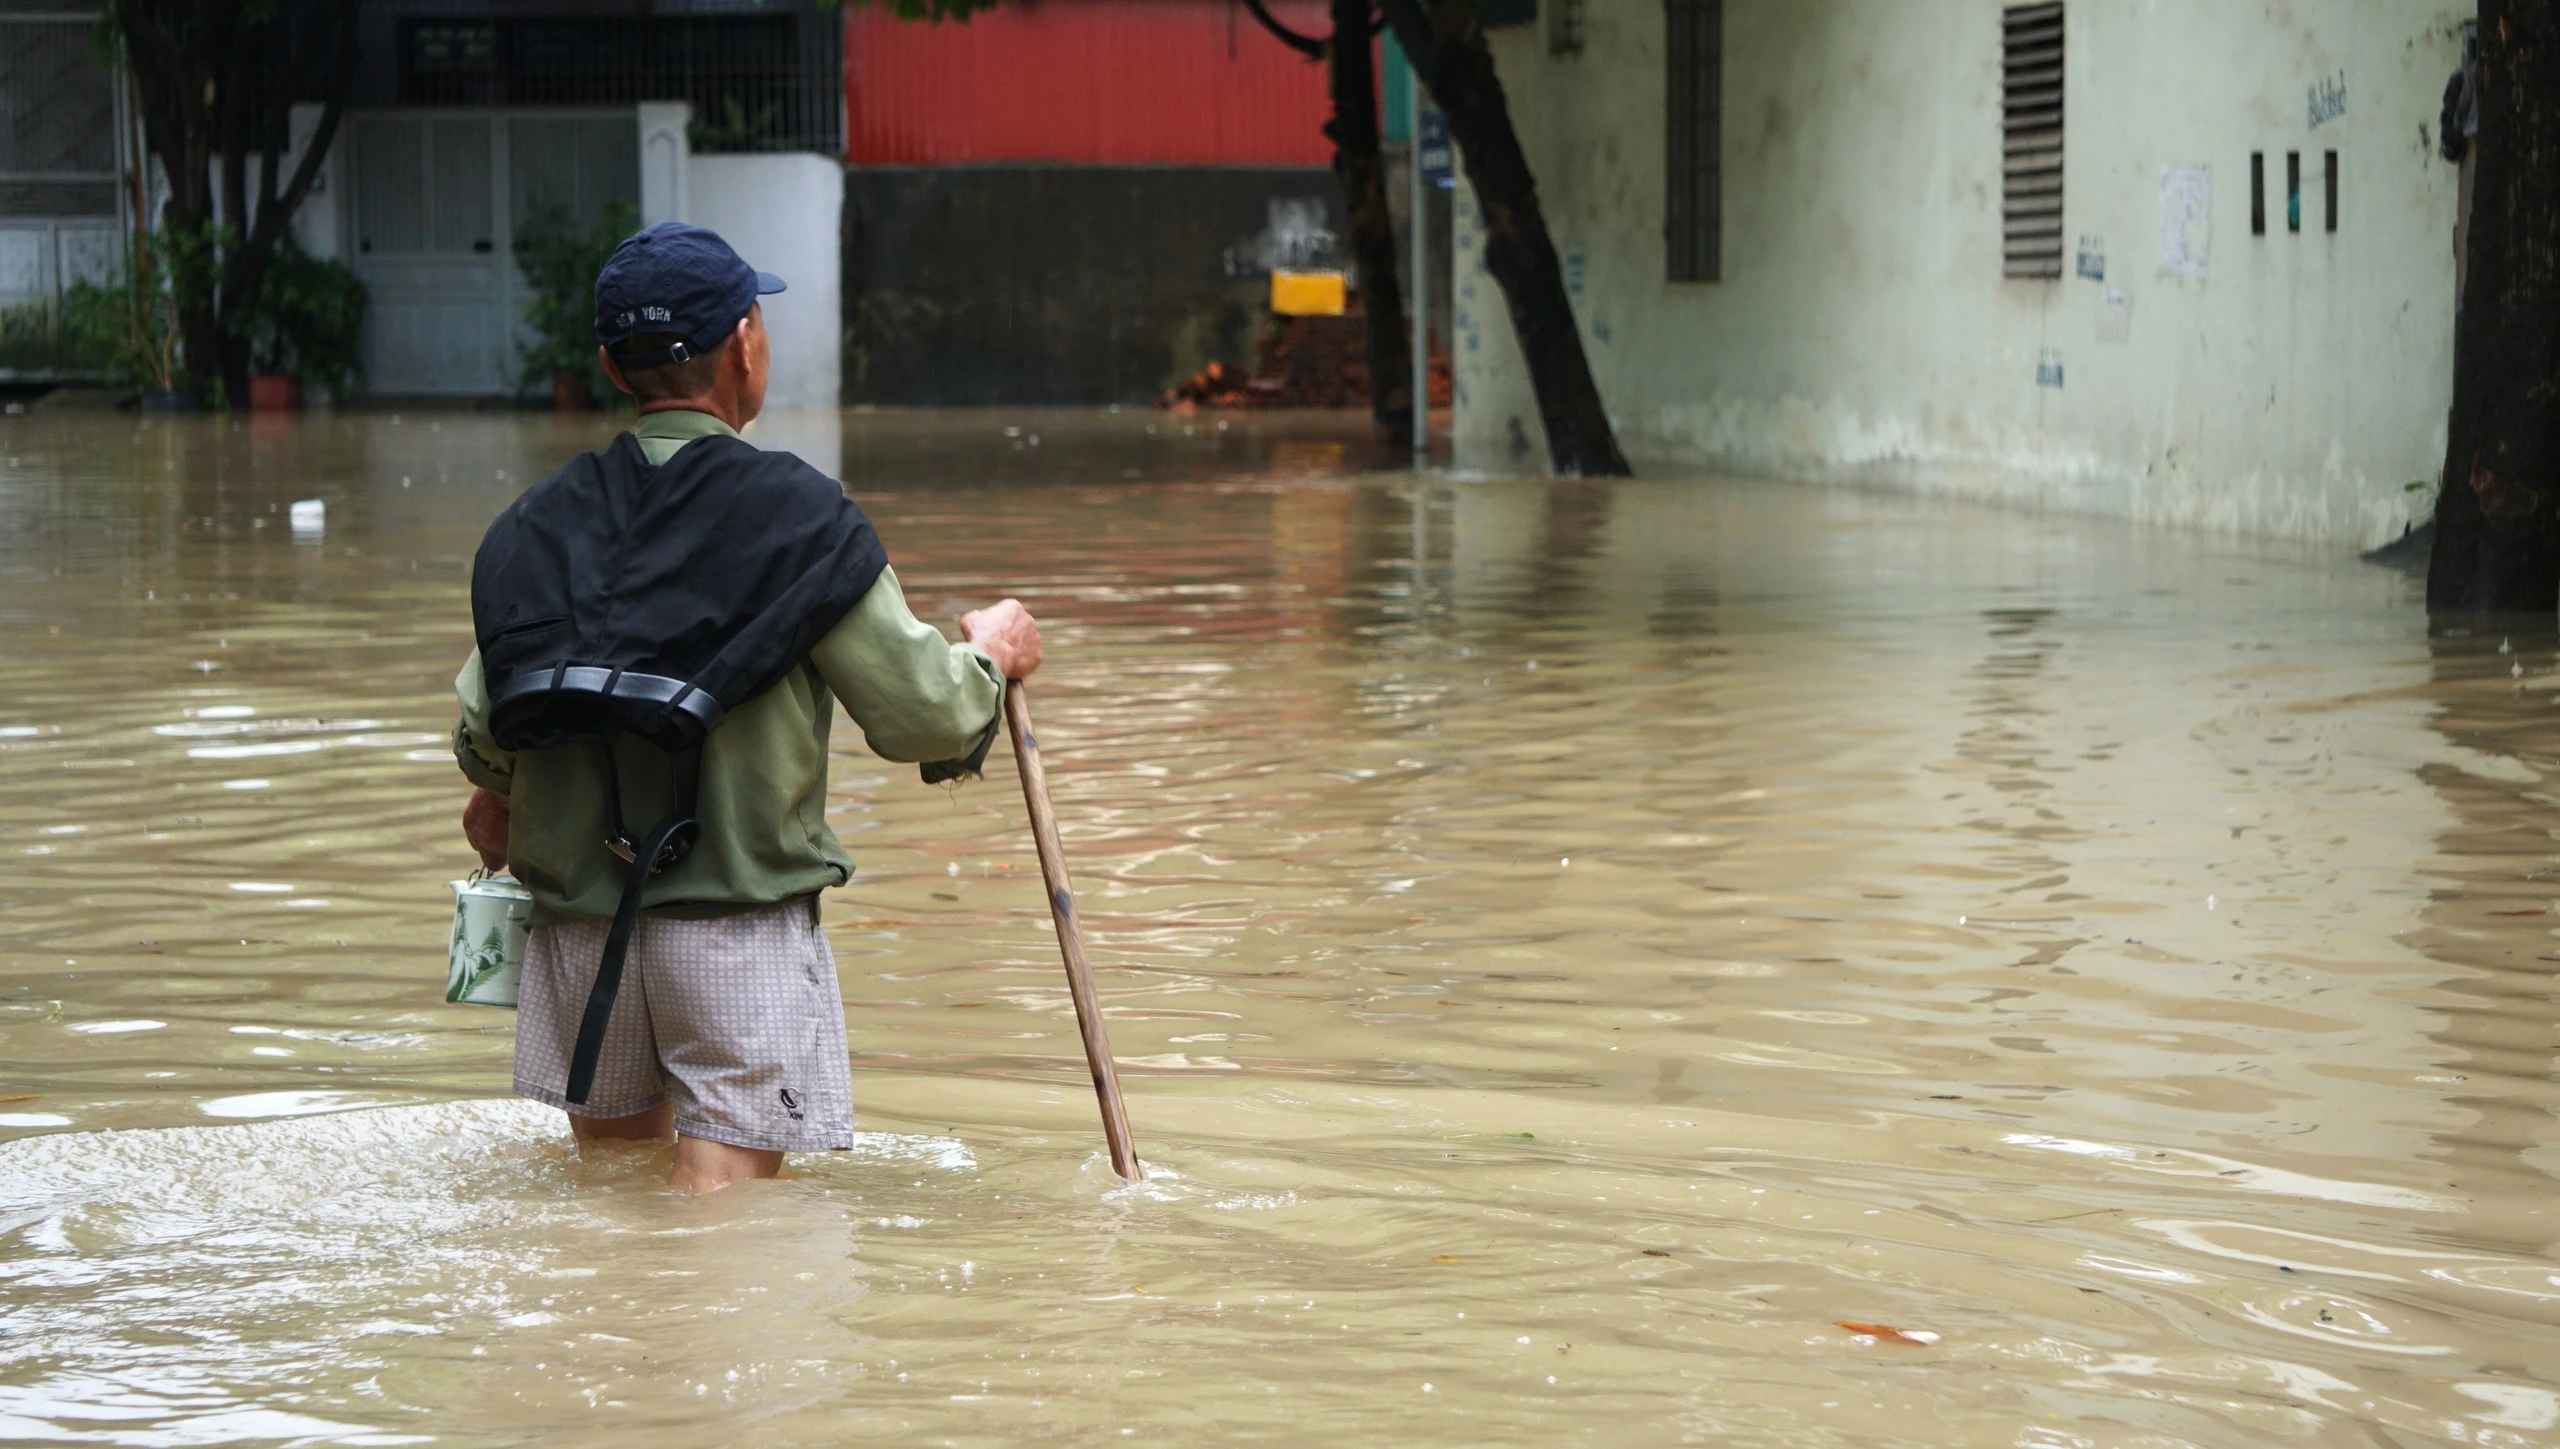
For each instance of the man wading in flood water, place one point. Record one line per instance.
(664, 627)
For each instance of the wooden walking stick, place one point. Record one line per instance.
(1062, 909)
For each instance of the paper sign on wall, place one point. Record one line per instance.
(2115, 317)
(2186, 219)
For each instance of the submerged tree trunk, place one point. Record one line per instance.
(1449, 53)
(2497, 540)
(1362, 171)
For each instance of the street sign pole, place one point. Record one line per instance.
(1420, 189)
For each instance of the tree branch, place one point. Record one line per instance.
(1306, 45)
(1415, 32)
(306, 173)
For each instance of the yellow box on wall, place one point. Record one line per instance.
(1309, 294)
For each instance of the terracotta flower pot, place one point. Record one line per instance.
(570, 393)
(269, 393)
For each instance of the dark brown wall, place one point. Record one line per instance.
(1057, 284)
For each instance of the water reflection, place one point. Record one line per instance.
(1572, 945)
(2489, 916)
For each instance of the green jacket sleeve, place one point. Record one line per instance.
(916, 695)
(482, 762)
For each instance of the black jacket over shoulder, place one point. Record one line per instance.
(617, 595)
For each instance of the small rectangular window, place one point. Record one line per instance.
(2293, 191)
(2333, 190)
(2031, 140)
(2257, 193)
(1693, 141)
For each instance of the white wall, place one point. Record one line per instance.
(316, 222)
(1862, 331)
(783, 212)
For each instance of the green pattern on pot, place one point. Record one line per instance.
(490, 917)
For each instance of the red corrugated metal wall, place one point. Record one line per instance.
(1168, 82)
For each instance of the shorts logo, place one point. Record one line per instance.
(791, 1104)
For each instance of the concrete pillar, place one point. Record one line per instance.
(666, 157)
(784, 212)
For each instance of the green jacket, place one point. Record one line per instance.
(763, 794)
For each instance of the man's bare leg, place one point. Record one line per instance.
(706, 1166)
(701, 1164)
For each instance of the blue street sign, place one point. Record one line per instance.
(1437, 156)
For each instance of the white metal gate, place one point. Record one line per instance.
(436, 198)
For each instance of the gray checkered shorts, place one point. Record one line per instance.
(737, 1019)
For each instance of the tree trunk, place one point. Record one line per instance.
(2497, 542)
(1353, 74)
(1449, 53)
(1351, 77)
(216, 80)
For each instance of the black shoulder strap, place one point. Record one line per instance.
(667, 842)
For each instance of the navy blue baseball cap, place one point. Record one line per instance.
(674, 278)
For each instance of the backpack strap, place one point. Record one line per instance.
(668, 841)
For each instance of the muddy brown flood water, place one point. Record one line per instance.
(1570, 945)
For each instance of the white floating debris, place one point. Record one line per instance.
(310, 515)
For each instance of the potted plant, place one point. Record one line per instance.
(307, 329)
(559, 258)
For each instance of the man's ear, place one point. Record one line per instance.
(614, 372)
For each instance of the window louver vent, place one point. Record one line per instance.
(2031, 140)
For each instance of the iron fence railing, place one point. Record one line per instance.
(756, 82)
